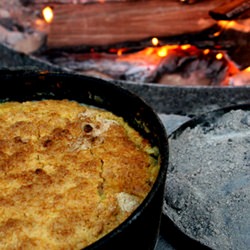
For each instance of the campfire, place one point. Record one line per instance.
(158, 42)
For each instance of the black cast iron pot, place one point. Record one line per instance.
(215, 216)
(141, 229)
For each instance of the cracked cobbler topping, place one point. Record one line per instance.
(69, 174)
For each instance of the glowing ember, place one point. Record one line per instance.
(206, 51)
(119, 52)
(217, 33)
(149, 51)
(185, 46)
(48, 14)
(162, 52)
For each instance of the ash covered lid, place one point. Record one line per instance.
(208, 182)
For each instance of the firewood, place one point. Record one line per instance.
(38, 2)
(111, 23)
(230, 9)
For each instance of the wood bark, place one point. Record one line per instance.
(110, 23)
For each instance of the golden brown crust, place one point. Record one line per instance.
(68, 174)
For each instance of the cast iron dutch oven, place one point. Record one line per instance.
(141, 229)
(215, 216)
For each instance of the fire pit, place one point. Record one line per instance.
(111, 39)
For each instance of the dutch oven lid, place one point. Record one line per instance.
(207, 194)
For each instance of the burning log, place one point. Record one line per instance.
(110, 23)
(169, 64)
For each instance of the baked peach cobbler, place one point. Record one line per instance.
(69, 173)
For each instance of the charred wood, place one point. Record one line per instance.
(230, 9)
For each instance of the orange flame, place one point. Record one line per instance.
(163, 51)
(227, 24)
(149, 51)
(155, 41)
(247, 69)
(219, 56)
(48, 14)
(206, 51)
(120, 52)
(217, 33)
(185, 46)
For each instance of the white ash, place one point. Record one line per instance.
(208, 182)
